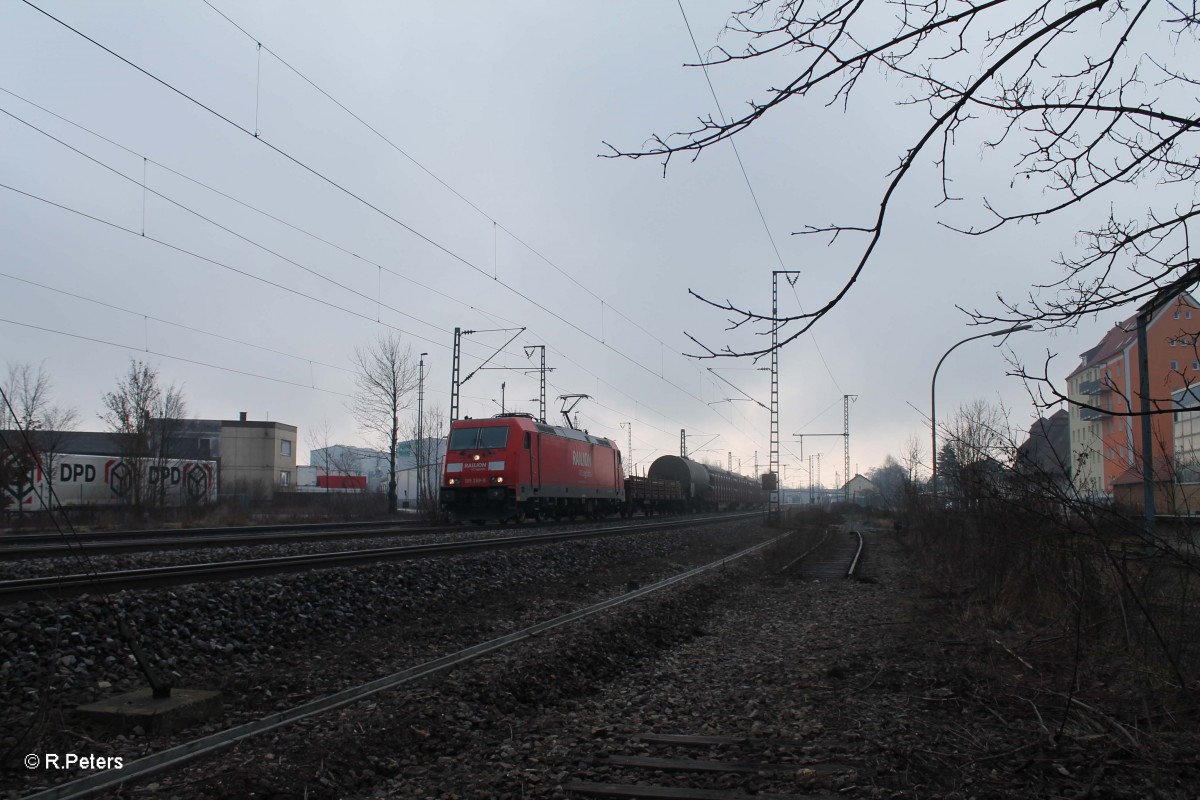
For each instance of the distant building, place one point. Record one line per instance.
(372, 465)
(1046, 453)
(862, 491)
(1104, 445)
(255, 459)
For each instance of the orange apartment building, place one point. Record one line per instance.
(1105, 446)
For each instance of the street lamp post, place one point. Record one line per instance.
(933, 456)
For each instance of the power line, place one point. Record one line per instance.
(361, 200)
(216, 224)
(496, 224)
(428, 171)
(244, 204)
(170, 356)
(153, 318)
(220, 264)
(749, 186)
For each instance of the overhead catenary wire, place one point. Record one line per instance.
(163, 321)
(293, 159)
(228, 230)
(214, 262)
(749, 186)
(142, 234)
(365, 317)
(134, 348)
(496, 225)
(366, 203)
(251, 207)
(388, 141)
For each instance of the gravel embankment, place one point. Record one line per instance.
(272, 643)
(834, 688)
(16, 568)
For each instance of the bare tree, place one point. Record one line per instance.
(385, 376)
(912, 458)
(1087, 103)
(144, 419)
(981, 444)
(40, 428)
(318, 436)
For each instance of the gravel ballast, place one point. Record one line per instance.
(833, 688)
(272, 643)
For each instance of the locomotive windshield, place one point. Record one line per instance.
(478, 438)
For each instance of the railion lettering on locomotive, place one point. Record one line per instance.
(581, 459)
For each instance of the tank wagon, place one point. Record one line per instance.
(512, 466)
(704, 488)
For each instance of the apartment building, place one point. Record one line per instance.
(1106, 443)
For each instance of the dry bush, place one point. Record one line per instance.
(1071, 587)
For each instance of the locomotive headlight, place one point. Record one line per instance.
(497, 479)
(475, 457)
(452, 481)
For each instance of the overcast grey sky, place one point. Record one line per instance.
(492, 210)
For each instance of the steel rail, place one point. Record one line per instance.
(46, 587)
(857, 554)
(11, 541)
(186, 541)
(805, 554)
(188, 751)
(107, 543)
(849, 573)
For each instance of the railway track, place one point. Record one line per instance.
(18, 547)
(57, 586)
(837, 555)
(56, 545)
(182, 754)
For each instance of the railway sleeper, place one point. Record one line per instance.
(725, 766)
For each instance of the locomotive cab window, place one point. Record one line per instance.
(478, 438)
(463, 438)
(493, 437)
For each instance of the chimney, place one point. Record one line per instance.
(242, 416)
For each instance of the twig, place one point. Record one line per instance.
(1028, 666)
(1033, 705)
(1118, 726)
(871, 682)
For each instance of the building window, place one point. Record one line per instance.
(1195, 364)
(1187, 314)
(1172, 341)
(285, 478)
(1175, 365)
(285, 447)
(1176, 316)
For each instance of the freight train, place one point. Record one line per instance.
(512, 466)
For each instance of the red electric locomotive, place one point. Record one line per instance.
(512, 466)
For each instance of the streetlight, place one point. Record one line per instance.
(933, 396)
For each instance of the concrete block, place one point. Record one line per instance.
(125, 712)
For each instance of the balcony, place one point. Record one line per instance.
(1090, 415)
(1092, 387)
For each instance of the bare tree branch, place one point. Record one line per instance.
(1065, 83)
